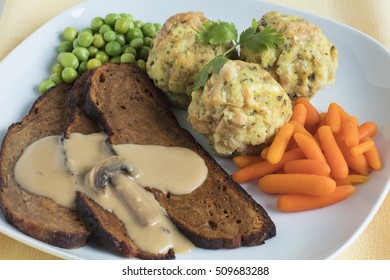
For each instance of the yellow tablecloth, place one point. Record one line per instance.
(22, 17)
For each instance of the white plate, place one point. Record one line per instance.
(362, 87)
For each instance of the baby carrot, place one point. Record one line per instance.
(332, 117)
(280, 142)
(363, 147)
(350, 131)
(297, 183)
(373, 157)
(264, 153)
(323, 119)
(262, 168)
(353, 179)
(343, 114)
(302, 202)
(357, 163)
(307, 166)
(299, 113)
(312, 115)
(299, 128)
(245, 160)
(334, 156)
(367, 129)
(309, 147)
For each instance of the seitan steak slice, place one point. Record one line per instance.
(111, 231)
(104, 225)
(76, 96)
(34, 215)
(220, 213)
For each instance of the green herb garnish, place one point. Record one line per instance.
(220, 32)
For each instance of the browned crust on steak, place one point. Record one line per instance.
(220, 213)
(34, 215)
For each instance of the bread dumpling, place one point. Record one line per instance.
(239, 109)
(304, 63)
(176, 56)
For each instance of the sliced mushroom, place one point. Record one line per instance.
(119, 173)
(101, 173)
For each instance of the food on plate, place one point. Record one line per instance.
(222, 32)
(126, 109)
(318, 168)
(312, 184)
(211, 216)
(304, 63)
(176, 56)
(115, 37)
(302, 202)
(239, 109)
(38, 216)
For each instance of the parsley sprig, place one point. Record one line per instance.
(220, 32)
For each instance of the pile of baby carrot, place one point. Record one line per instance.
(314, 160)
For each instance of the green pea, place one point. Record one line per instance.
(113, 48)
(59, 56)
(45, 86)
(76, 43)
(148, 29)
(141, 64)
(143, 52)
(109, 36)
(93, 63)
(158, 27)
(82, 67)
(56, 78)
(136, 43)
(85, 39)
(69, 34)
(102, 56)
(81, 53)
(121, 39)
(130, 50)
(57, 68)
(111, 18)
(134, 33)
(92, 51)
(138, 23)
(121, 25)
(68, 59)
(127, 16)
(87, 29)
(65, 46)
(96, 23)
(104, 28)
(98, 41)
(148, 41)
(127, 57)
(69, 74)
(115, 59)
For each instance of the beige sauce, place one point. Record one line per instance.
(57, 169)
(171, 169)
(41, 170)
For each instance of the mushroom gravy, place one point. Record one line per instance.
(114, 176)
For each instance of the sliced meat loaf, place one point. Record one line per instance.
(104, 225)
(34, 215)
(79, 122)
(218, 214)
(111, 231)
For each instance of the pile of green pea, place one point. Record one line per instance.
(115, 37)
